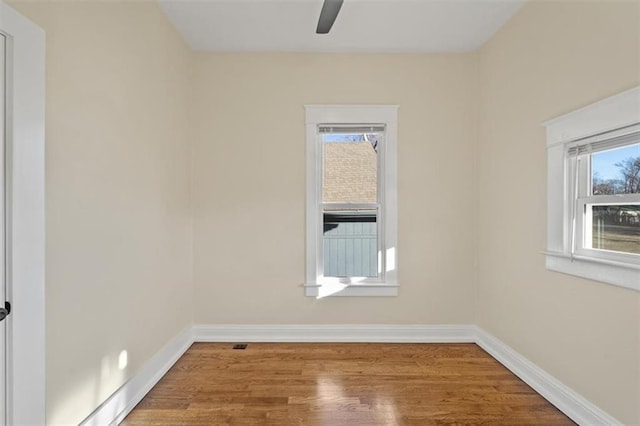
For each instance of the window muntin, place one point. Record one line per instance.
(351, 205)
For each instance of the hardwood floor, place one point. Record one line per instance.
(341, 384)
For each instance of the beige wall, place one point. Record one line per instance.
(551, 58)
(118, 252)
(249, 184)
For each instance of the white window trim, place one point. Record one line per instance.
(352, 114)
(26, 280)
(621, 111)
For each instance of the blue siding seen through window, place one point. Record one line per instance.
(350, 249)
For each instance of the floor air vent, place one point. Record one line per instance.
(240, 346)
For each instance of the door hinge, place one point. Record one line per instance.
(5, 311)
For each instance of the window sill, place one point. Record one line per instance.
(610, 272)
(320, 291)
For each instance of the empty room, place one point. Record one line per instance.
(320, 212)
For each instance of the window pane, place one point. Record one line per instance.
(616, 171)
(350, 243)
(350, 169)
(616, 227)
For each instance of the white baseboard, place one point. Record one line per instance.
(575, 406)
(116, 408)
(375, 333)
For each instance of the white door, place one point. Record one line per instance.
(3, 324)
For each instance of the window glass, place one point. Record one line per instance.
(616, 171)
(350, 243)
(615, 227)
(350, 166)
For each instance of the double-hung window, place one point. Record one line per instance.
(351, 201)
(606, 201)
(594, 191)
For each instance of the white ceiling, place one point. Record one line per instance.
(362, 25)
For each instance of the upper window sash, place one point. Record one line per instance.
(355, 128)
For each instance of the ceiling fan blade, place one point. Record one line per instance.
(328, 15)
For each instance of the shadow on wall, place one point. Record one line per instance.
(93, 390)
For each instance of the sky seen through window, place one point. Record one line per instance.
(603, 164)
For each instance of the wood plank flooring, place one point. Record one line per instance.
(341, 384)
